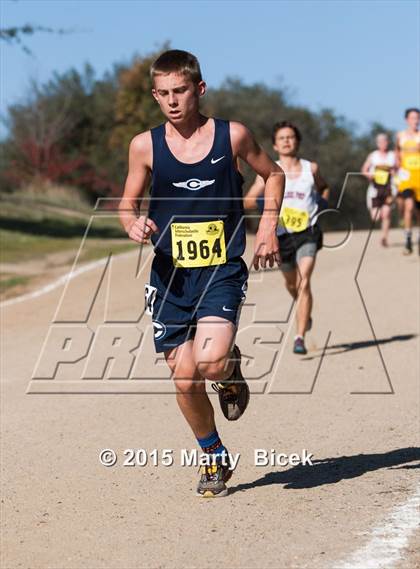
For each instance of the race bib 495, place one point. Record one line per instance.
(294, 219)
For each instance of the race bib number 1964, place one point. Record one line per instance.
(200, 244)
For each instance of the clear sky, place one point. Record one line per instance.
(359, 58)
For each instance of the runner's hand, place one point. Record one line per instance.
(266, 249)
(142, 229)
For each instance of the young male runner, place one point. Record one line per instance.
(300, 237)
(408, 160)
(195, 221)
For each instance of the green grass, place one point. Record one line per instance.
(35, 220)
(36, 223)
(30, 228)
(17, 247)
(44, 193)
(11, 282)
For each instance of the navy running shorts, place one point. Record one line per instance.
(177, 298)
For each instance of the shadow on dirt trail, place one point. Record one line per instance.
(333, 470)
(358, 345)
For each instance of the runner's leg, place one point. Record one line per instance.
(212, 349)
(191, 390)
(219, 360)
(408, 223)
(408, 213)
(386, 223)
(292, 282)
(304, 301)
(292, 278)
(198, 411)
(418, 224)
(374, 213)
(400, 205)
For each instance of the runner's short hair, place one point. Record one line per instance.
(411, 110)
(285, 124)
(177, 61)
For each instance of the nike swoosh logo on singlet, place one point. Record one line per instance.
(213, 161)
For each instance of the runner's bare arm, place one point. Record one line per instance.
(139, 228)
(320, 183)
(397, 151)
(366, 167)
(266, 242)
(256, 190)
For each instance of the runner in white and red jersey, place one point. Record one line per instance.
(300, 237)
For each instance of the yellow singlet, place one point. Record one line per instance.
(409, 173)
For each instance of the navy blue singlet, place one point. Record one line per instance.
(205, 191)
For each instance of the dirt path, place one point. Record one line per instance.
(356, 408)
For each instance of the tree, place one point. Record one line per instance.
(135, 108)
(17, 33)
(76, 129)
(326, 138)
(36, 129)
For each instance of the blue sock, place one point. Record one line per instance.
(212, 444)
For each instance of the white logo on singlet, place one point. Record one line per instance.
(159, 329)
(213, 160)
(193, 184)
(227, 309)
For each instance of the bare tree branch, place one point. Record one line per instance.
(15, 34)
